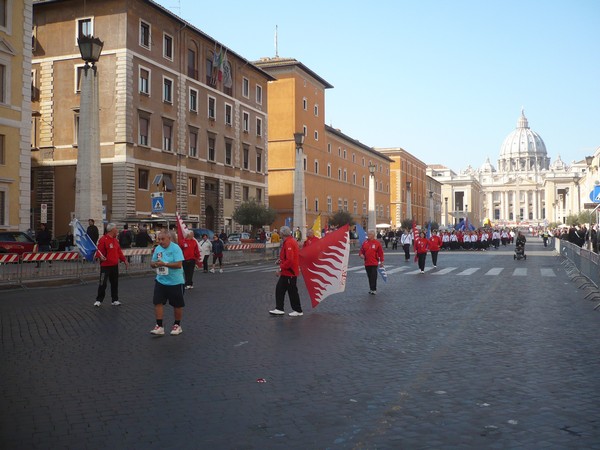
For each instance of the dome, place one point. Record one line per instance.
(523, 149)
(487, 167)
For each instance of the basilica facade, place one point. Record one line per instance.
(525, 188)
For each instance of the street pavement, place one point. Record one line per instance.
(493, 353)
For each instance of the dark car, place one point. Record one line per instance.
(198, 232)
(16, 242)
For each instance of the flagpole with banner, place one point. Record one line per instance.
(317, 226)
(87, 248)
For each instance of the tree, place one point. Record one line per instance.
(406, 224)
(340, 218)
(253, 213)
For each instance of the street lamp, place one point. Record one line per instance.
(88, 177)
(408, 199)
(371, 217)
(299, 206)
(446, 214)
(430, 206)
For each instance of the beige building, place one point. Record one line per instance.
(181, 116)
(15, 114)
(336, 166)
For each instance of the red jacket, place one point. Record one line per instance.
(435, 242)
(372, 252)
(310, 240)
(110, 248)
(421, 245)
(289, 259)
(190, 249)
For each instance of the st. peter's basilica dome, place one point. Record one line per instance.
(523, 150)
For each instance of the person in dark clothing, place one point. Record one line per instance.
(217, 251)
(142, 239)
(125, 237)
(44, 240)
(92, 231)
(69, 241)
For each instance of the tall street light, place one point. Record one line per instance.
(299, 206)
(408, 200)
(371, 225)
(430, 206)
(446, 214)
(88, 178)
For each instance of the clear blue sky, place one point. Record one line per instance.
(445, 80)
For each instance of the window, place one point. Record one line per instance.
(193, 100)
(329, 170)
(355, 207)
(211, 148)
(316, 166)
(144, 127)
(167, 135)
(193, 150)
(2, 151)
(364, 208)
(316, 135)
(212, 108)
(258, 126)
(76, 129)
(191, 64)
(259, 94)
(245, 193)
(345, 175)
(363, 181)
(340, 174)
(78, 78)
(345, 205)
(246, 122)
(228, 114)
(353, 177)
(345, 156)
(143, 179)
(328, 148)
(316, 110)
(353, 157)
(258, 195)
(246, 155)
(329, 204)
(167, 46)
(304, 104)
(167, 90)
(340, 152)
(209, 69)
(144, 34)
(85, 26)
(246, 87)
(228, 147)
(228, 191)
(259, 162)
(164, 183)
(316, 204)
(193, 186)
(305, 130)
(144, 81)
(339, 204)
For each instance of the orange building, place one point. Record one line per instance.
(336, 167)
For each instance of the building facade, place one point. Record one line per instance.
(15, 114)
(182, 117)
(336, 167)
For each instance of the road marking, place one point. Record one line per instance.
(547, 272)
(521, 272)
(495, 271)
(469, 271)
(352, 269)
(444, 271)
(395, 270)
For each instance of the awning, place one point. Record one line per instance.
(383, 225)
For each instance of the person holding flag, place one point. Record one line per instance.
(310, 237)
(289, 269)
(109, 252)
(372, 253)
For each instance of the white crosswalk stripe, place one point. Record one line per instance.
(495, 271)
(396, 269)
(444, 271)
(520, 272)
(469, 271)
(547, 272)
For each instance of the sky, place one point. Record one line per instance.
(444, 80)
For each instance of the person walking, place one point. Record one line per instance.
(435, 243)
(421, 247)
(205, 251)
(167, 260)
(109, 252)
(372, 253)
(310, 237)
(289, 269)
(92, 231)
(406, 240)
(44, 241)
(217, 251)
(276, 241)
(191, 254)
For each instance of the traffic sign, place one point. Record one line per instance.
(158, 204)
(595, 194)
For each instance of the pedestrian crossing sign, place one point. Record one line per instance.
(595, 194)
(158, 204)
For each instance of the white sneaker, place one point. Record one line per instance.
(158, 331)
(116, 303)
(176, 330)
(212, 270)
(296, 314)
(220, 270)
(97, 304)
(277, 312)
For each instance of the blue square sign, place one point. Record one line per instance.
(595, 194)
(158, 204)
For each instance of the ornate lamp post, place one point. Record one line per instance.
(88, 178)
(446, 213)
(371, 221)
(299, 206)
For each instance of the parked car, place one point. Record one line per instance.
(198, 232)
(16, 242)
(59, 243)
(237, 238)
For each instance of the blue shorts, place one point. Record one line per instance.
(172, 294)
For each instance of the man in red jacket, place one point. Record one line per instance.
(372, 252)
(191, 256)
(289, 269)
(109, 252)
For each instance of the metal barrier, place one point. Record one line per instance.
(587, 262)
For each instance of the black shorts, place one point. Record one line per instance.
(174, 294)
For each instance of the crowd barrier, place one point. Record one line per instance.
(586, 261)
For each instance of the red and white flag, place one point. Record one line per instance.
(182, 230)
(324, 265)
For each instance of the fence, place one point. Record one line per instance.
(586, 261)
(31, 268)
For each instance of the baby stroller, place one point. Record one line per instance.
(520, 251)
